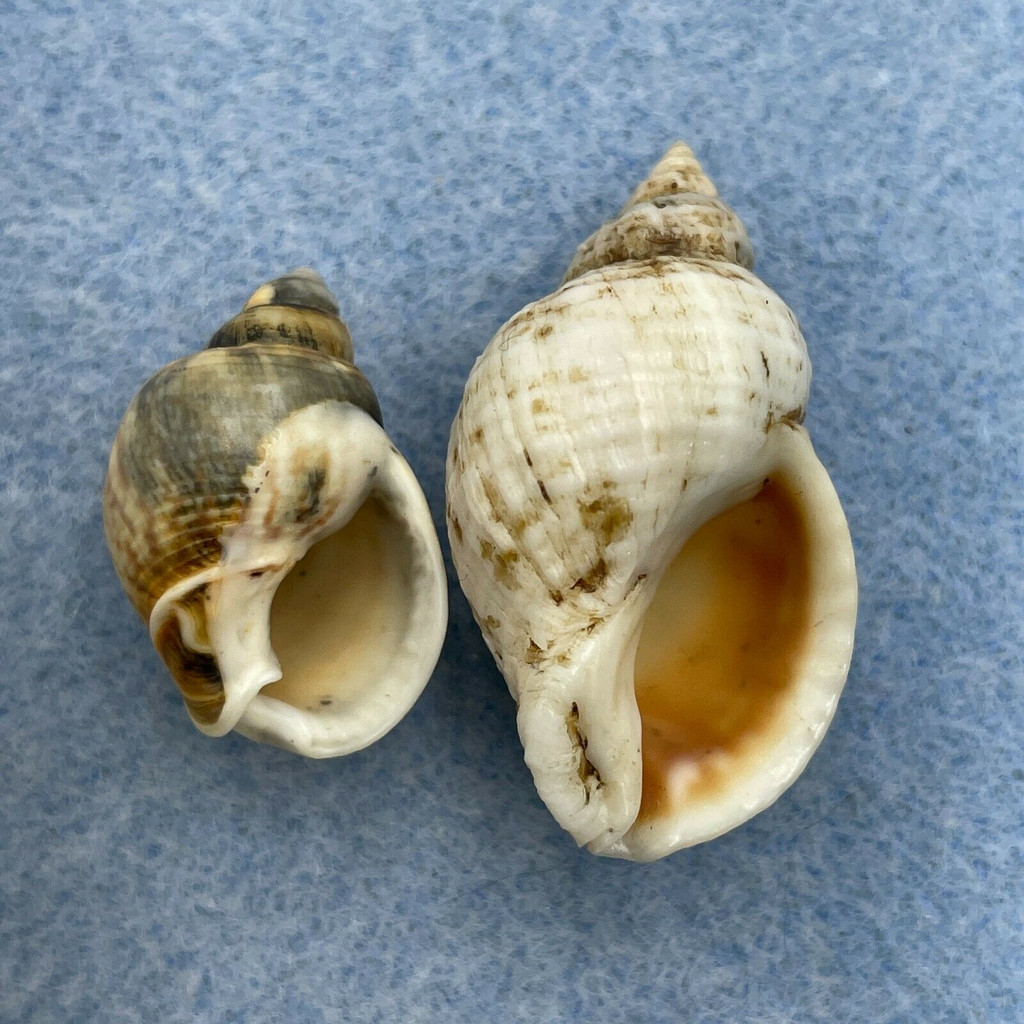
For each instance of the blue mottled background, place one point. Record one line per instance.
(439, 162)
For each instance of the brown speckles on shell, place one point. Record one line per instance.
(456, 527)
(534, 654)
(593, 579)
(678, 171)
(606, 517)
(502, 562)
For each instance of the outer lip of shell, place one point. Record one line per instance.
(577, 713)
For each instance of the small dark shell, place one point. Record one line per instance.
(177, 474)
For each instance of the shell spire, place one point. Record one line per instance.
(678, 171)
(676, 212)
(294, 309)
(302, 287)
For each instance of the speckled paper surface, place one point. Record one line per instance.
(439, 163)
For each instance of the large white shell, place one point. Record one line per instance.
(662, 385)
(272, 537)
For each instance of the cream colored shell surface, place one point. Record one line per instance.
(587, 422)
(661, 385)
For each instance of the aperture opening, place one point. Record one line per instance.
(341, 614)
(720, 648)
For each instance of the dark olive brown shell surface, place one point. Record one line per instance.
(177, 468)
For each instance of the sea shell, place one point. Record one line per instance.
(272, 537)
(657, 559)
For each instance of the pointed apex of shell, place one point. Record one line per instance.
(294, 309)
(678, 171)
(302, 286)
(674, 212)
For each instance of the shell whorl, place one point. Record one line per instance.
(660, 356)
(675, 211)
(294, 309)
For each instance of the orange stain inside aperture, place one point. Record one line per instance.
(720, 646)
